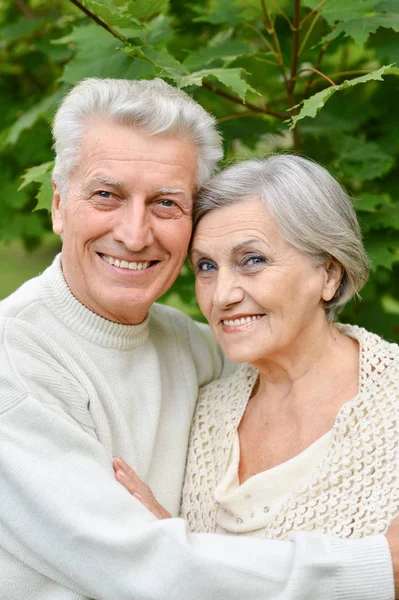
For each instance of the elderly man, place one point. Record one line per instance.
(89, 368)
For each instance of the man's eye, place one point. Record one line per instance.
(168, 203)
(104, 194)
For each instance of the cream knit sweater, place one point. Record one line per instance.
(354, 490)
(76, 389)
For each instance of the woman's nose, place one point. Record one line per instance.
(227, 290)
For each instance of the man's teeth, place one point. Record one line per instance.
(123, 264)
(241, 321)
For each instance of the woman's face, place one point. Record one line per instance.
(261, 296)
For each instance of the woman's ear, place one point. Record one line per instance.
(56, 211)
(333, 275)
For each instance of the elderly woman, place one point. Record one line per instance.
(304, 435)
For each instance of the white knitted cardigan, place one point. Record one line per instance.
(352, 493)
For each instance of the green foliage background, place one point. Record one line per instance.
(316, 77)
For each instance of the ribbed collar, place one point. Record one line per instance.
(76, 317)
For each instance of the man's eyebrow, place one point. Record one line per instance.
(171, 191)
(104, 181)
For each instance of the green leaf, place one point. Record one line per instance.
(226, 12)
(342, 10)
(312, 105)
(44, 196)
(369, 203)
(231, 78)
(360, 23)
(97, 55)
(159, 30)
(40, 174)
(21, 28)
(145, 9)
(233, 12)
(227, 51)
(247, 129)
(387, 217)
(56, 53)
(386, 44)
(111, 16)
(359, 160)
(383, 250)
(12, 198)
(36, 173)
(168, 65)
(43, 110)
(155, 32)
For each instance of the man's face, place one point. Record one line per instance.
(126, 219)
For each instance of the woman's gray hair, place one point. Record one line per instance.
(312, 210)
(152, 105)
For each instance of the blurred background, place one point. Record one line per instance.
(306, 76)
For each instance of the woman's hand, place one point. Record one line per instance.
(128, 478)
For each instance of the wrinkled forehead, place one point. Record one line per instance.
(234, 224)
(120, 156)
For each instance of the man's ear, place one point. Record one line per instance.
(333, 275)
(56, 211)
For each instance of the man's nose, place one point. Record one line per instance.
(134, 228)
(228, 290)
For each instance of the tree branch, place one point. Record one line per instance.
(237, 116)
(316, 8)
(295, 42)
(24, 9)
(99, 21)
(249, 8)
(269, 26)
(282, 13)
(316, 67)
(330, 81)
(252, 107)
(264, 40)
(307, 35)
(294, 68)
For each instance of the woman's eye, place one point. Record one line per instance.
(253, 261)
(204, 266)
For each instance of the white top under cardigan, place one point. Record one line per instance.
(351, 491)
(76, 389)
(248, 508)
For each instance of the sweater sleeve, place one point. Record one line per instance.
(60, 503)
(201, 339)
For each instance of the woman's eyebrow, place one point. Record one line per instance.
(194, 251)
(243, 245)
(237, 248)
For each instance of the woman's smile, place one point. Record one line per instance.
(240, 323)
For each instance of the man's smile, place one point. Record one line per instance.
(124, 264)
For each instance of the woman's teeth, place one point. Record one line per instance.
(241, 320)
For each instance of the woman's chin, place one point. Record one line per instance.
(242, 355)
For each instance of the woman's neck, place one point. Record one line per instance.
(323, 366)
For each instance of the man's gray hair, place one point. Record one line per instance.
(151, 105)
(312, 210)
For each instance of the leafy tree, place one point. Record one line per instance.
(309, 76)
